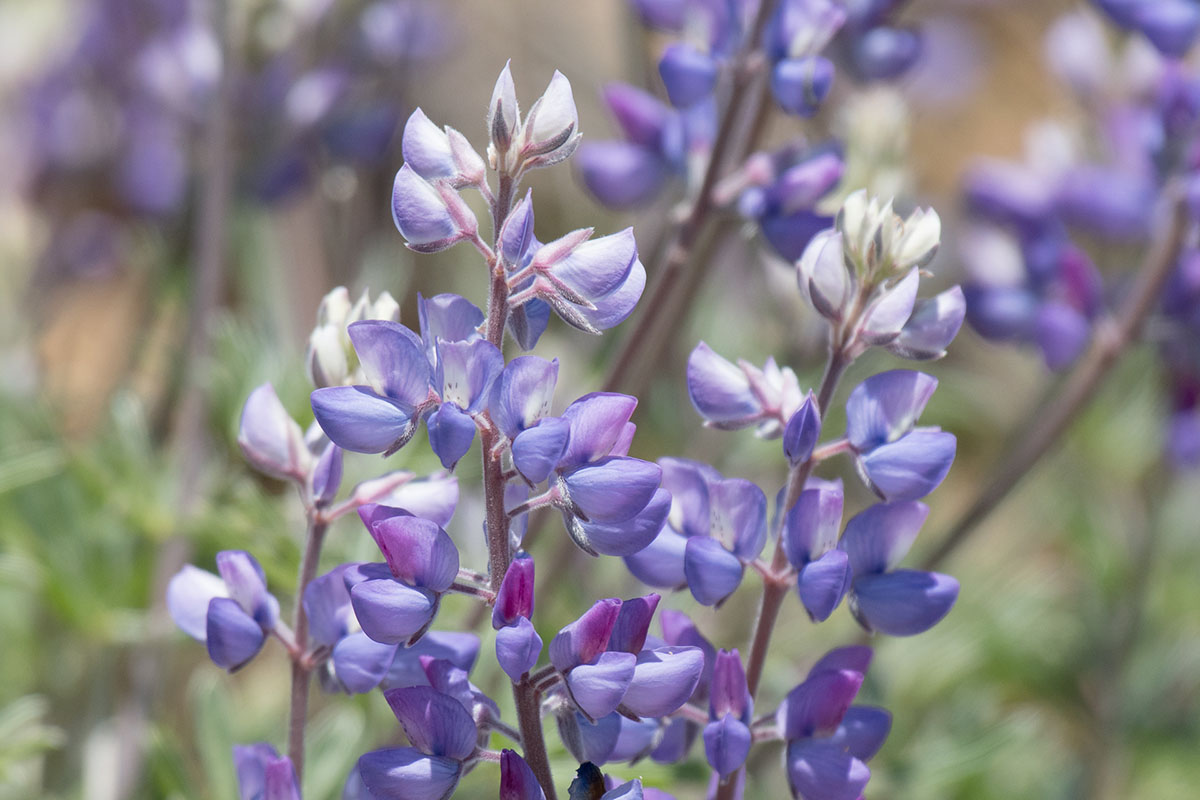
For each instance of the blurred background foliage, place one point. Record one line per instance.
(1069, 668)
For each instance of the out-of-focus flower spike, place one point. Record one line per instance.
(688, 74)
(621, 175)
(884, 53)
(280, 780)
(270, 439)
(799, 85)
(250, 763)
(666, 15)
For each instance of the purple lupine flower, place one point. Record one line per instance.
(262, 774)
(829, 740)
(688, 74)
(517, 781)
(409, 376)
(780, 191)
(731, 397)
(898, 602)
(442, 737)
(878, 49)
(727, 736)
(810, 537)
(802, 431)
(395, 602)
(1171, 25)
(678, 734)
(592, 284)
(714, 528)
(605, 667)
(406, 669)
(895, 459)
(270, 439)
(799, 30)
(518, 645)
(660, 142)
(430, 216)
(232, 614)
(611, 503)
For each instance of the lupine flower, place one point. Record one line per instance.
(408, 378)
(442, 736)
(799, 31)
(517, 781)
(810, 537)
(611, 503)
(592, 284)
(727, 736)
(895, 459)
(828, 740)
(232, 614)
(262, 774)
(549, 133)
(660, 142)
(731, 397)
(716, 525)
(518, 645)
(604, 666)
(781, 192)
(1170, 25)
(395, 602)
(331, 358)
(898, 602)
(270, 439)
(878, 49)
(678, 734)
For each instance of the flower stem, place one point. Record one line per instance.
(301, 669)
(529, 712)
(1077, 390)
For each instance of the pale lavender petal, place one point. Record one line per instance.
(719, 390)
(232, 635)
(688, 482)
(887, 316)
(911, 467)
(327, 606)
(188, 596)
(426, 147)
(597, 422)
(877, 538)
(634, 740)
(466, 370)
(660, 563)
(728, 693)
(738, 516)
(615, 307)
(433, 498)
(598, 267)
(886, 406)
(612, 489)
(269, 438)
(357, 419)
(451, 432)
(726, 744)
(631, 536)
(820, 770)
(523, 393)
(247, 584)
(327, 475)
(360, 663)
(518, 648)
(626, 791)
(810, 528)
(390, 612)
(713, 573)
(823, 583)
(461, 649)
(933, 325)
(663, 680)
(448, 317)
(406, 773)
(419, 212)
(586, 740)
(393, 360)
(536, 451)
(435, 723)
(598, 688)
(903, 603)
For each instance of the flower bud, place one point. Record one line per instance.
(550, 133)
(270, 439)
(802, 431)
(688, 74)
(503, 120)
(429, 218)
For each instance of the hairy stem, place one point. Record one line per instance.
(529, 713)
(301, 668)
(659, 317)
(1109, 343)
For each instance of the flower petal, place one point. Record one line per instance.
(360, 663)
(911, 467)
(405, 772)
(612, 489)
(660, 563)
(435, 723)
(188, 596)
(357, 419)
(451, 432)
(816, 707)
(863, 731)
(585, 638)
(630, 536)
(810, 528)
(523, 393)
(663, 680)
(598, 688)
(719, 390)
(390, 612)
(820, 770)
(597, 422)
(232, 635)
(886, 406)
(726, 744)
(518, 648)
(393, 360)
(877, 538)
(903, 603)
(822, 584)
(536, 451)
(713, 573)
(417, 550)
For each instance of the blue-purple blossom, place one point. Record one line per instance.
(732, 396)
(518, 645)
(1170, 25)
(517, 781)
(727, 736)
(262, 774)
(232, 614)
(605, 667)
(896, 459)
(810, 537)
(898, 602)
(828, 740)
(715, 526)
(442, 737)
